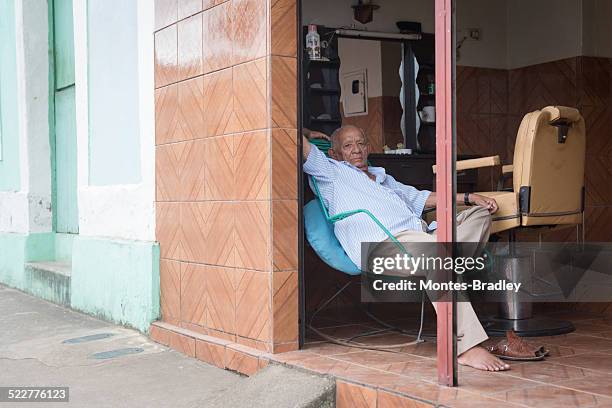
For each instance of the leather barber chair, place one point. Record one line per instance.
(547, 194)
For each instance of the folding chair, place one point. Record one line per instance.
(320, 234)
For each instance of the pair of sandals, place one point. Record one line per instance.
(514, 348)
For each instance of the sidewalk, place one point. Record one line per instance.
(33, 352)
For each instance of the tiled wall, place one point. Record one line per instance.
(225, 79)
(491, 104)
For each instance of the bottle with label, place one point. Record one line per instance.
(313, 43)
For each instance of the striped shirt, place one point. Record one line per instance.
(344, 187)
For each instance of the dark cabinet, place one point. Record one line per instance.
(416, 170)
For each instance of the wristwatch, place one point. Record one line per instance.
(466, 199)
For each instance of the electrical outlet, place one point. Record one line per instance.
(474, 33)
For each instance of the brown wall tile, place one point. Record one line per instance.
(285, 234)
(182, 343)
(210, 353)
(221, 284)
(241, 362)
(249, 28)
(165, 13)
(190, 47)
(253, 304)
(188, 8)
(354, 396)
(180, 171)
(159, 335)
(166, 59)
(252, 165)
(170, 290)
(190, 109)
(167, 172)
(219, 164)
(284, 164)
(598, 176)
(218, 103)
(284, 92)
(250, 93)
(217, 42)
(214, 109)
(285, 307)
(166, 114)
(253, 235)
(194, 295)
(193, 175)
(208, 232)
(283, 17)
(389, 400)
(598, 224)
(168, 230)
(595, 81)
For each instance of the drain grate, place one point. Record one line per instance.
(85, 339)
(116, 353)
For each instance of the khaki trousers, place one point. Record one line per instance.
(473, 225)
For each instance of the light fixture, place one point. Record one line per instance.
(363, 11)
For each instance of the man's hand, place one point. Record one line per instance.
(486, 202)
(313, 134)
(308, 135)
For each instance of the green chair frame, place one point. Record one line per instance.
(341, 216)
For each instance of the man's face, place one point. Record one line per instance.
(351, 146)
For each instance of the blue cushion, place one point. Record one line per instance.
(320, 235)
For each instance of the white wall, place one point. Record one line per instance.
(338, 13)
(29, 210)
(359, 54)
(118, 211)
(488, 15)
(543, 31)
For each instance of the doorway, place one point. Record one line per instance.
(63, 126)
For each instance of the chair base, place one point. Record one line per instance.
(533, 327)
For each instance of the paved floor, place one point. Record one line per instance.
(33, 352)
(578, 372)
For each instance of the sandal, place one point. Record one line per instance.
(514, 348)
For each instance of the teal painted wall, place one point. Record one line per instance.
(9, 123)
(63, 37)
(65, 144)
(116, 280)
(114, 140)
(16, 250)
(66, 207)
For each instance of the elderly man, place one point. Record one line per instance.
(346, 179)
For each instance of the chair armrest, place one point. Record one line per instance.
(475, 163)
(508, 168)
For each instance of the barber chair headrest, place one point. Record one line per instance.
(562, 118)
(562, 113)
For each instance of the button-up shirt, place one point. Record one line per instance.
(344, 187)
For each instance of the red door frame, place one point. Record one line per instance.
(445, 179)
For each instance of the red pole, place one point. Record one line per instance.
(445, 205)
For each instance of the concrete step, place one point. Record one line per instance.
(279, 387)
(49, 280)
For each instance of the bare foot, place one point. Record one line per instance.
(481, 359)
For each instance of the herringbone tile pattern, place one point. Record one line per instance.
(283, 32)
(226, 182)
